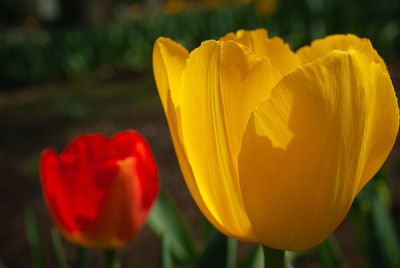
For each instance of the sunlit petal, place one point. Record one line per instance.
(169, 60)
(218, 94)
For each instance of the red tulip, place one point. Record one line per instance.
(99, 191)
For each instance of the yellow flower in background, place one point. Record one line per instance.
(266, 8)
(274, 145)
(174, 6)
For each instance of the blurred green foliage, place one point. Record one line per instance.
(34, 240)
(165, 221)
(42, 55)
(377, 236)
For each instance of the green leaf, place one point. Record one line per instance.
(258, 259)
(376, 233)
(386, 237)
(220, 252)
(34, 240)
(231, 252)
(165, 254)
(58, 248)
(164, 220)
(329, 254)
(290, 256)
(255, 258)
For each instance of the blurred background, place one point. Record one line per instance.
(74, 66)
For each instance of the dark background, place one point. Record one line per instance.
(69, 67)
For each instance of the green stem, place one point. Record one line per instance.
(111, 259)
(273, 258)
(58, 248)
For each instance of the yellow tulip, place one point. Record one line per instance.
(274, 145)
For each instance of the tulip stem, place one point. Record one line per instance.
(111, 259)
(273, 258)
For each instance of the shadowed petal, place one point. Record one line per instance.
(279, 53)
(321, 47)
(325, 131)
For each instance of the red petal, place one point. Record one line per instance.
(131, 143)
(92, 150)
(52, 180)
(99, 191)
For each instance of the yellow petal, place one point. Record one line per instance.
(281, 56)
(175, 127)
(325, 131)
(169, 60)
(347, 42)
(221, 85)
